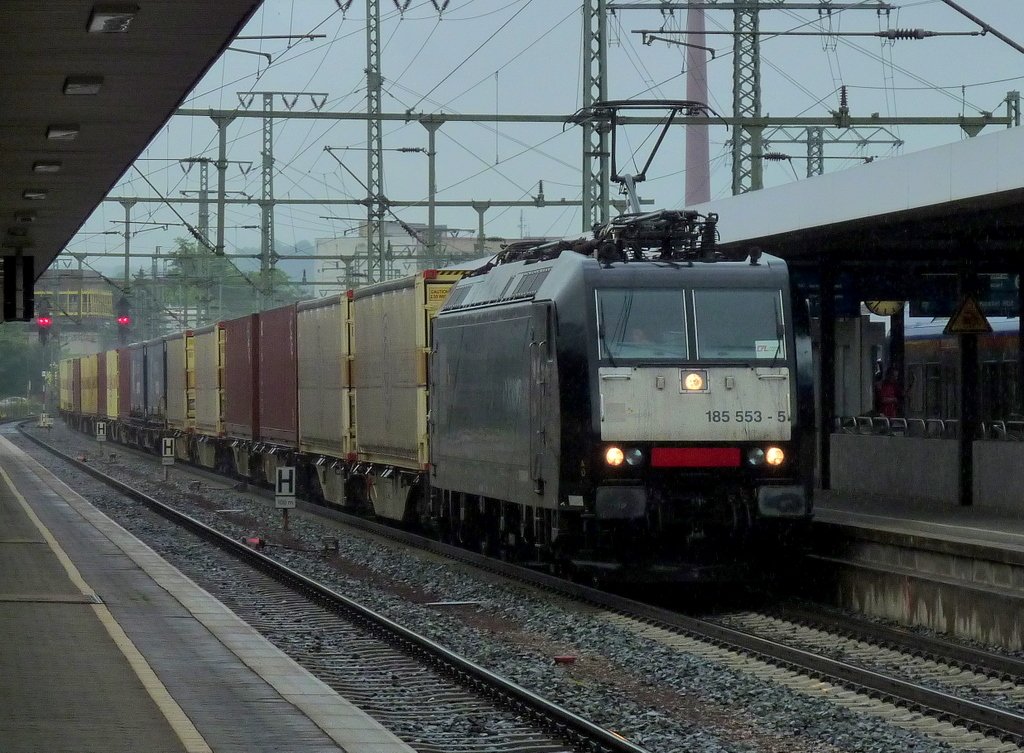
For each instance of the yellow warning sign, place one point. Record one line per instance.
(968, 319)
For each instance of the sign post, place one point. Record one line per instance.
(101, 431)
(968, 321)
(168, 455)
(284, 491)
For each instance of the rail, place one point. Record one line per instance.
(997, 723)
(579, 733)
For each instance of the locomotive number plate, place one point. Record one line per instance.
(746, 416)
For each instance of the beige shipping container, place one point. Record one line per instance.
(325, 416)
(208, 373)
(391, 343)
(64, 375)
(180, 382)
(90, 394)
(112, 383)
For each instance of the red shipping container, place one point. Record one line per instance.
(278, 377)
(241, 372)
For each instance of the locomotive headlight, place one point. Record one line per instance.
(635, 456)
(694, 381)
(755, 456)
(614, 456)
(774, 456)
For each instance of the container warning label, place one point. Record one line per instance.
(437, 295)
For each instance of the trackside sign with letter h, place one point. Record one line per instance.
(284, 488)
(167, 448)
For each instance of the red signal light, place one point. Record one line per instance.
(44, 321)
(124, 320)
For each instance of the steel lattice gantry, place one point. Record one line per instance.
(595, 133)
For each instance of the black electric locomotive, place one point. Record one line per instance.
(632, 406)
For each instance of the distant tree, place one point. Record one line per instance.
(22, 361)
(214, 288)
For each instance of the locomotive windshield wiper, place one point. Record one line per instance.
(604, 344)
(780, 332)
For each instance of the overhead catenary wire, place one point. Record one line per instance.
(205, 242)
(526, 4)
(291, 180)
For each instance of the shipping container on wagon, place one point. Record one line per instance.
(124, 384)
(89, 385)
(156, 381)
(113, 379)
(278, 389)
(101, 385)
(137, 374)
(208, 344)
(180, 381)
(76, 385)
(64, 375)
(241, 370)
(391, 344)
(325, 422)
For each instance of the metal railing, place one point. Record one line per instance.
(1009, 430)
(1012, 431)
(897, 426)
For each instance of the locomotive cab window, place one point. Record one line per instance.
(744, 324)
(641, 323)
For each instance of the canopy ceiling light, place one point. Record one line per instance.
(34, 194)
(65, 132)
(77, 85)
(47, 166)
(109, 18)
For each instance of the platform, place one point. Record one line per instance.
(981, 526)
(108, 648)
(956, 570)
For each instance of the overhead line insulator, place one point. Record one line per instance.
(895, 34)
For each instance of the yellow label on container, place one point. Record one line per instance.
(437, 295)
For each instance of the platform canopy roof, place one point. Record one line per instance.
(84, 86)
(940, 206)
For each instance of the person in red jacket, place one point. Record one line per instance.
(889, 394)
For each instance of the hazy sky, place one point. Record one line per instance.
(523, 56)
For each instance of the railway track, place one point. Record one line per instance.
(953, 691)
(396, 674)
